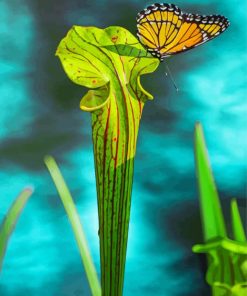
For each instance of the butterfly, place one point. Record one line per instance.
(165, 30)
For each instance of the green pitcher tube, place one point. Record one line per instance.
(91, 57)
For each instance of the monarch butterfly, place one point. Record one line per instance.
(165, 30)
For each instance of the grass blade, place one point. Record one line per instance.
(212, 217)
(238, 229)
(10, 220)
(74, 219)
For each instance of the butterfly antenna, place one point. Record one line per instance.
(168, 73)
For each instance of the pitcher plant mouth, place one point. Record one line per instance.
(96, 99)
(102, 60)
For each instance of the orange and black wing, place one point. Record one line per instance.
(165, 30)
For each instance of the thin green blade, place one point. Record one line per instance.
(211, 212)
(77, 228)
(11, 219)
(238, 229)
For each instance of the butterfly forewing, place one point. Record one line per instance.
(165, 30)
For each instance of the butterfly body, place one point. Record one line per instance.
(165, 30)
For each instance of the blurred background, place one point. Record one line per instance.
(39, 115)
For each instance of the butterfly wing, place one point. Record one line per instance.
(157, 26)
(165, 30)
(195, 30)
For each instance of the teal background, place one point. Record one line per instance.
(39, 115)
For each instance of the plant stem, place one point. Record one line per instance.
(114, 137)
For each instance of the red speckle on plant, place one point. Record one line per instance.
(94, 81)
(115, 139)
(114, 38)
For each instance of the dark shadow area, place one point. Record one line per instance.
(51, 134)
(182, 221)
(190, 265)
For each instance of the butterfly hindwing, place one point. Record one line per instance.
(165, 30)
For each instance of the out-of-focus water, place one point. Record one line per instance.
(39, 115)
